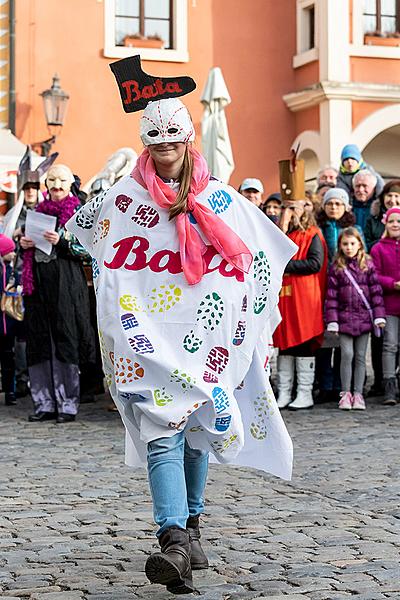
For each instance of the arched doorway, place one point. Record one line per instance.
(383, 153)
(311, 167)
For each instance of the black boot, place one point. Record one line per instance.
(65, 418)
(10, 399)
(171, 566)
(198, 560)
(42, 416)
(390, 394)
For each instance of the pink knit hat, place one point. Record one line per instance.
(6, 245)
(391, 211)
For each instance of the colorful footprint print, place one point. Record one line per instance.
(123, 202)
(127, 370)
(164, 298)
(221, 400)
(221, 446)
(263, 409)
(146, 216)
(262, 270)
(129, 321)
(217, 359)
(183, 379)
(259, 303)
(239, 333)
(141, 344)
(191, 342)
(161, 398)
(184, 419)
(210, 311)
(209, 315)
(102, 230)
(210, 377)
(130, 303)
(84, 220)
(222, 423)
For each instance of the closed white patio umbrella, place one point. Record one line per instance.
(214, 129)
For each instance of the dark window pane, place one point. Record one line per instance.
(158, 28)
(388, 8)
(369, 24)
(157, 9)
(388, 24)
(127, 8)
(125, 26)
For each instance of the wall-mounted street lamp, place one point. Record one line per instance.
(55, 102)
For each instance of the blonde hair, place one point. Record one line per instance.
(362, 257)
(185, 180)
(306, 221)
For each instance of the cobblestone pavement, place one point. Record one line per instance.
(76, 524)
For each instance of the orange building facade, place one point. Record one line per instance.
(298, 72)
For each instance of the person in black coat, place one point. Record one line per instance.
(60, 337)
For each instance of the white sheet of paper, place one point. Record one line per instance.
(36, 225)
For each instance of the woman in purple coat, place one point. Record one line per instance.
(354, 306)
(386, 257)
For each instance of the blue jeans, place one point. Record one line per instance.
(177, 477)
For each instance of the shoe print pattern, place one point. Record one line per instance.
(146, 216)
(129, 321)
(191, 342)
(85, 216)
(122, 202)
(184, 419)
(141, 344)
(239, 333)
(102, 230)
(164, 298)
(209, 315)
(127, 370)
(220, 446)
(183, 379)
(263, 409)
(210, 311)
(221, 400)
(219, 201)
(262, 274)
(161, 398)
(210, 377)
(128, 302)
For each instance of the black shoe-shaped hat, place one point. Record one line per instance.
(137, 88)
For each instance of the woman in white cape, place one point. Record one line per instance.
(187, 274)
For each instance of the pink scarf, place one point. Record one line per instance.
(63, 210)
(191, 246)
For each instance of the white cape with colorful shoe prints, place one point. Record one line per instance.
(178, 356)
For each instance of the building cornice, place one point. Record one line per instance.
(336, 90)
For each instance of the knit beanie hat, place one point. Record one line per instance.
(337, 194)
(395, 210)
(351, 151)
(6, 245)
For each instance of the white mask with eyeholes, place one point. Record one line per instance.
(166, 121)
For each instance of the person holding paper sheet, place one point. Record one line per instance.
(59, 334)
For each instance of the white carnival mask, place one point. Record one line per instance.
(166, 121)
(59, 177)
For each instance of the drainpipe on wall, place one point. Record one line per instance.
(11, 102)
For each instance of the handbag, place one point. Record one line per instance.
(377, 330)
(12, 303)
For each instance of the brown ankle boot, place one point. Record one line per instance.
(171, 567)
(198, 560)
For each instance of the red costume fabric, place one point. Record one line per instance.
(301, 298)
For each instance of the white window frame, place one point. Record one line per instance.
(358, 48)
(305, 56)
(179, 52)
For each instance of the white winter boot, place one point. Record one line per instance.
(285, 372)
(305, 368)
